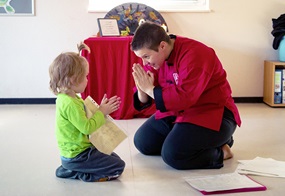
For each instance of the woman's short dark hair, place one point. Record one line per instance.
(149, 35)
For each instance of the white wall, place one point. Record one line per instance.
(239, 31)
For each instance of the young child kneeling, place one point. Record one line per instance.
(79, 158)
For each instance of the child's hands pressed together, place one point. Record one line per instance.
(110, 105)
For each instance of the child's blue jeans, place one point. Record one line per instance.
(91, 166)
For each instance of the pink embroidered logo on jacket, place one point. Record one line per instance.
(175, 76)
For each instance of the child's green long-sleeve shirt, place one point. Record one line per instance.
(72, 125)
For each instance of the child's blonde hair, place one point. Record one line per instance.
(66, 68)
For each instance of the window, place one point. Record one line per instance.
(159, 5)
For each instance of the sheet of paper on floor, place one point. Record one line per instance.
(262, 167)
(224, 183)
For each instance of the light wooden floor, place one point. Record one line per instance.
(29, 156)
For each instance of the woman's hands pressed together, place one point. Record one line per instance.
(144, 80)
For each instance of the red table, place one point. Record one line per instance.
(110, 72)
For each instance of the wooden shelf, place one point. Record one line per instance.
(268, 85)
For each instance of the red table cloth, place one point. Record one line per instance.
(110, 72)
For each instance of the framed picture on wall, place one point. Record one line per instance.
(108, 27)
(16, 7)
